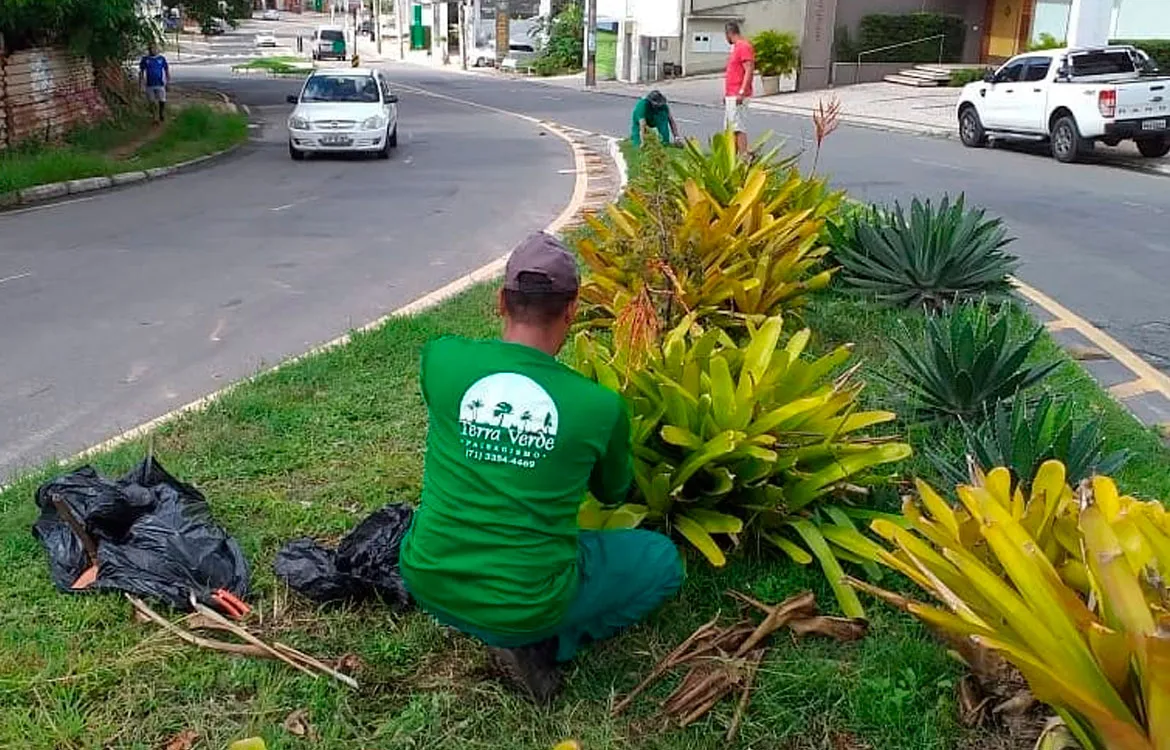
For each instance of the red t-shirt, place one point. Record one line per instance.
(741, 52)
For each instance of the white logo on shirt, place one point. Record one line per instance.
(508, 418)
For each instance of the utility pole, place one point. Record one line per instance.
(591, 43)
(378, 25)
(463, 32)
(401, 9)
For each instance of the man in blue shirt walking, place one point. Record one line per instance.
(154, 75)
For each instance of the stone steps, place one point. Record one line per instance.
(921, 76)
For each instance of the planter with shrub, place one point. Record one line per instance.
(777, 59)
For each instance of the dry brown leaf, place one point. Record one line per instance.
(350, 663)
(297, 723)
(839, 628)
(184, 740)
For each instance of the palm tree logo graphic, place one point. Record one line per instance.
(511, 412)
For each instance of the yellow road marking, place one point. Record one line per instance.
(1144, 371)
(1132, 388)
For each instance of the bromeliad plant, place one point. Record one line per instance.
(741, 260)
(969, 361)
(1069, 587)
(931, 257)
(750, 436)
(1022, 437)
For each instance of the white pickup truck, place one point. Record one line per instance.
(1071, 98)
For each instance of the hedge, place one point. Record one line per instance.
(884, 29)
(1159, 49)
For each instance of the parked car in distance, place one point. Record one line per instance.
(215, 27)
(483, 56)
(1072, 98)
(271, 14)
(266, 39)
(519, 56)
(346, 110)
(329, 43)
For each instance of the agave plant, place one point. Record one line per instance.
(1070, 588)
(731, 436)
(1022, 438)
(932, 256)
(968, 362)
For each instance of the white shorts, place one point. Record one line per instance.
(156, 93)
(735, 115)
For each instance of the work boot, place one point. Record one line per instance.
(533, 669)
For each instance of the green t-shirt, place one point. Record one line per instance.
(655, 117)
(515, 438)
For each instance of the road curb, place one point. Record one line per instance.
(38, 194)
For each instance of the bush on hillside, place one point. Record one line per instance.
(99, 29)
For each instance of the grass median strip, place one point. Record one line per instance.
(311, 449)
(278, 65)
(127, 144)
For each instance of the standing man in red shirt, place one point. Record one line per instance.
(737, 85)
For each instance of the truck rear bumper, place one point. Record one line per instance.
(1148, 127)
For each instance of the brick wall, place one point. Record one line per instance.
(45, 92)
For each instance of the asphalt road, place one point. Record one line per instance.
(1096, 238)
(127, 304)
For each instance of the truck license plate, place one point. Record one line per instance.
(1154, 125)
(335, 140)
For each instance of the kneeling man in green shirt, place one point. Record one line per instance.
(515, 440)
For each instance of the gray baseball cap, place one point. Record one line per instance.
(541, 265)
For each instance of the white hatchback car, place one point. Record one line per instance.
(266, 39)
(343, 109)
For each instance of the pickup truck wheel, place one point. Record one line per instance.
(1067, 144)
(1154, 148)
(971, 131)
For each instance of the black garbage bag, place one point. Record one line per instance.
(364, 565)
(155, 536)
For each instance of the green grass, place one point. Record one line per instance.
(193, 131)
(310, 449)
(607, 54)
(278, 65)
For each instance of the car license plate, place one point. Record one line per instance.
(1154, 125)
(335, 140)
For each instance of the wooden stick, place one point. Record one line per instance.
(781, 614)
(247, 636)
(745, 696)
(705, 707)
(240, 649)
(692, 689)
(664, 665)
(78, 529)
(292, 652)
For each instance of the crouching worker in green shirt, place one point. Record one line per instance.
(653, 113)
(515, 439)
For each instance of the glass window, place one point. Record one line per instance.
(1102, 63)
(334, 88)
(1037, 69)
(1010, 73)
(332, 35)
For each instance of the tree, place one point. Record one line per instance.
(502, 410)
(548, 423)
(475, 406)
(564, 43)
(102, 30)
(525, 418)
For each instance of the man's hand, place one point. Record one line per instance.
(739, 98)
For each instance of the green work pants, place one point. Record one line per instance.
(624, 576)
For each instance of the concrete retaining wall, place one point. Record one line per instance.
(845, 74)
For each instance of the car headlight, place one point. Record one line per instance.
(372, 123)
(298, 123)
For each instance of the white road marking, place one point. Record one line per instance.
(689, 122)
(14, 278)
(566, 171)
(929, 163)
(218, 330)
(283, 208)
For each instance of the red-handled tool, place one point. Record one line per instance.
(230, 604)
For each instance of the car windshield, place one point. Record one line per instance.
(359, 89)
(332, 35)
